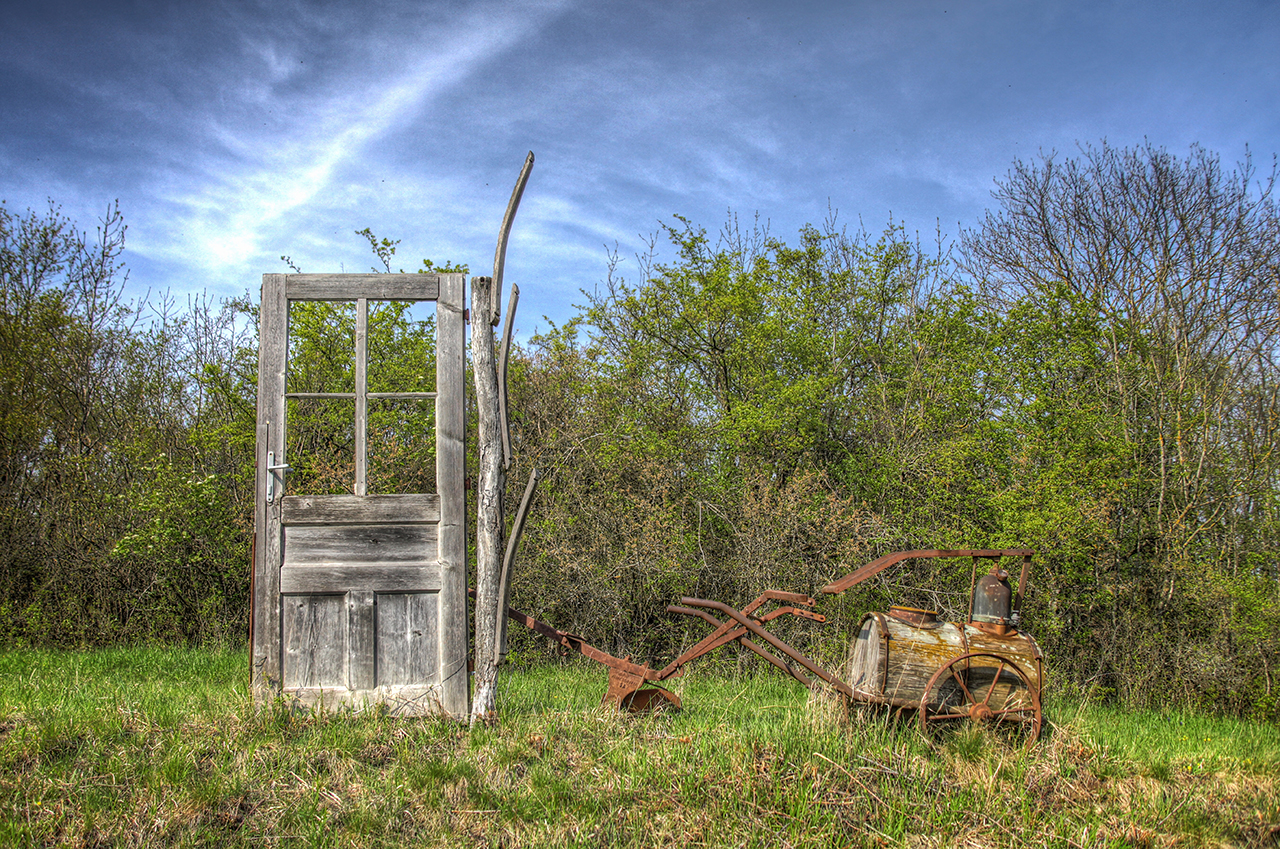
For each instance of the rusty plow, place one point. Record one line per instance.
(636, 688)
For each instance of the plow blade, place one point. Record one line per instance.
(636, 695)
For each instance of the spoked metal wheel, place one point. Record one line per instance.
(984, 688)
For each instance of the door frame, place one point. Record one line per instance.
(448, 292)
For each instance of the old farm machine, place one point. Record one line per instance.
(983, 670)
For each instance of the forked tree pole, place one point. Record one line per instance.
(492, 579)
(490, 490)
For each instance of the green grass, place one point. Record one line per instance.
(162, 747)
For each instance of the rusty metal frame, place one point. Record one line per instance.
(752, 624)
(747, 621)
(725, 633)
(635, 687)
(878, 565)
(625, 678)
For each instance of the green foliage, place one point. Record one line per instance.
(69, 372)
(732, 391)
(1143, 280)
(184, 569)
(401, 358)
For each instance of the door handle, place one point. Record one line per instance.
(272, 468)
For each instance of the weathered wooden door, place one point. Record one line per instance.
(360, 598)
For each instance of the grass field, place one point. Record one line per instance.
(161, 747)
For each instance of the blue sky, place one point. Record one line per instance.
(234, 132)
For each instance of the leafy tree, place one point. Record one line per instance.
(1172, 266)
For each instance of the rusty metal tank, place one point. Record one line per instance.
(992, 599)
(898, 653)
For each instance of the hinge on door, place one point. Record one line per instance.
(466, 316)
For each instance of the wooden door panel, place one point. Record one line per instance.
(344, 579)
(375, 287)
(408, 638)
(336, 545)
(351, 644)
(360, 509)
(315, 646)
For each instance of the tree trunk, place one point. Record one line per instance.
(490, 489)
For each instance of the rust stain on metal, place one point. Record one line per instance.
(914, 616)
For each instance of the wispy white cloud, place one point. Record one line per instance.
(237, 132)
(293, 150)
